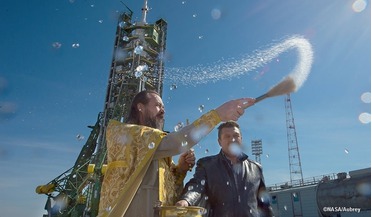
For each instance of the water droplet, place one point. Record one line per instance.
(201, 108)
(151, 145)
(56, 45)
(202, 182)
(264, 197)
(285, 208)
(158, 203)
(245, 187)
(206, 197)
(267, 155)
(200, 37)
(173, 87)
(162, 56)
(365, 118)
(75, 45)
(184, 143)
(92, 6)
(119, 69)
(178, 127)
(100, 21)
(216, 13)
(346, 151)
(235, 149)
(122, 24)
(183, 2)
(125, 38)
(138, 74)
(79, 137)
(366, 97)
(364, 189)
(139, 70)
(138, 50)
(190, 188)
(194, 15)
(142, 68)
(227, 183)
(359, 5)
(206, 151)
(122, 139)
(199, 132)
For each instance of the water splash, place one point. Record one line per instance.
(218, 71)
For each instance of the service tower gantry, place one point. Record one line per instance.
(137, 64)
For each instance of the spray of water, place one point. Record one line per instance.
(222, 71)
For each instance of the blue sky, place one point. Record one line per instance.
(50, 94)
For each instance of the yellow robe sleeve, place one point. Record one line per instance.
(178, 142)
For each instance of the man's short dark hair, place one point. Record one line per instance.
(227, 124)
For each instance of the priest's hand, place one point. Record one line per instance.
(232, 110)
(186, 161)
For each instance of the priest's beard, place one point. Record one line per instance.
(154, 122)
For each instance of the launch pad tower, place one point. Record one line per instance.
(137, 64)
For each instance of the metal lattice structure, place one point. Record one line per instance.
(293, 151)
(137, 64)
